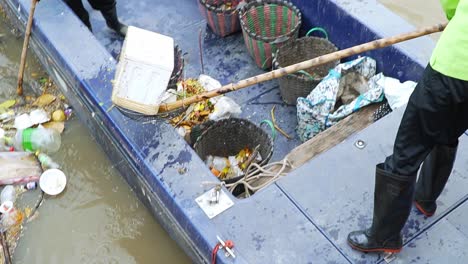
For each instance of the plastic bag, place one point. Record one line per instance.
(225, 107)
(208, 82)
(397, 93)
(229, 166)
(170, 96)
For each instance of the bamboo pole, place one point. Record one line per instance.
(376, 44)
(19, 89)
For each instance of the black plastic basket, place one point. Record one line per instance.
(227, 137)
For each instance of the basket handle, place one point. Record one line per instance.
(272, 127)
(318, 29)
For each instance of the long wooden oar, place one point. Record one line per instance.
(19, 89)
(376, 44)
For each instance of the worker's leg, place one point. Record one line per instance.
(109, 12)
(438, 166)
(427, 121)
(80, 11)
(433, 176)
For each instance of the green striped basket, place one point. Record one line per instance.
(266, 26)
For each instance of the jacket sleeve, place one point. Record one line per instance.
(449, 7)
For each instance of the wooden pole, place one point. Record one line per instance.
(376, 44)
(19, 89)
(4, 244)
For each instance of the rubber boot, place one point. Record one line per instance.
(392, 204)
(113, 22)
(433, 176)
(80, 11)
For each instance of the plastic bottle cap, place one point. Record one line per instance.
(53, 181)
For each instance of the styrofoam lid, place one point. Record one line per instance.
(52, 181)
(149, 47)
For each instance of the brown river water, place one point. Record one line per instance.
(98, 219)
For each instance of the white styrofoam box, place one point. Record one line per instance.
(145, 67)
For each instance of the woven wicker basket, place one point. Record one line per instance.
(302, 83)
(229, 136)
(221, 20)
(266, 26)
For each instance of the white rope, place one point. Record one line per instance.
(254, 173)
(259, 172)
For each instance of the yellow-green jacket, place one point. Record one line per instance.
(450, 57)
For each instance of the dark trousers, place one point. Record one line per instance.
(436, 114)
(79, 9)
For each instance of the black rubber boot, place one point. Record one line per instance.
(113, 22)
(433, 176)
(80, 11)
(392, 204)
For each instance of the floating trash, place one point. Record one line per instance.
(39, 116)
(59, 116)
(53, 181)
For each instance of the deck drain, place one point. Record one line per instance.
(360, 144)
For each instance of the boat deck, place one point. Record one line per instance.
(302, 218)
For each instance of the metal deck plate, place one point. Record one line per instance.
(213, 209)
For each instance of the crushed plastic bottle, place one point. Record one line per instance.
(37, 139)
(8, 194)
(10, 216)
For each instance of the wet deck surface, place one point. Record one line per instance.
(225, 59)
(336, 190)
(302, 218)
(340, 189)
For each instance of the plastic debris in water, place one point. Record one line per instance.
(44, 100)
(59, 116)
(47, 161)
(53, 181)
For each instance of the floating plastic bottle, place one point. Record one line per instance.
(47, 161)
(37, 139)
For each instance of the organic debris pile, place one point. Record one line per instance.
(30, 129)
(227, 6)
(49, 110)
(14, 218)
(195, 114)
(233, 166)
(198, 113)
(189, 88)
